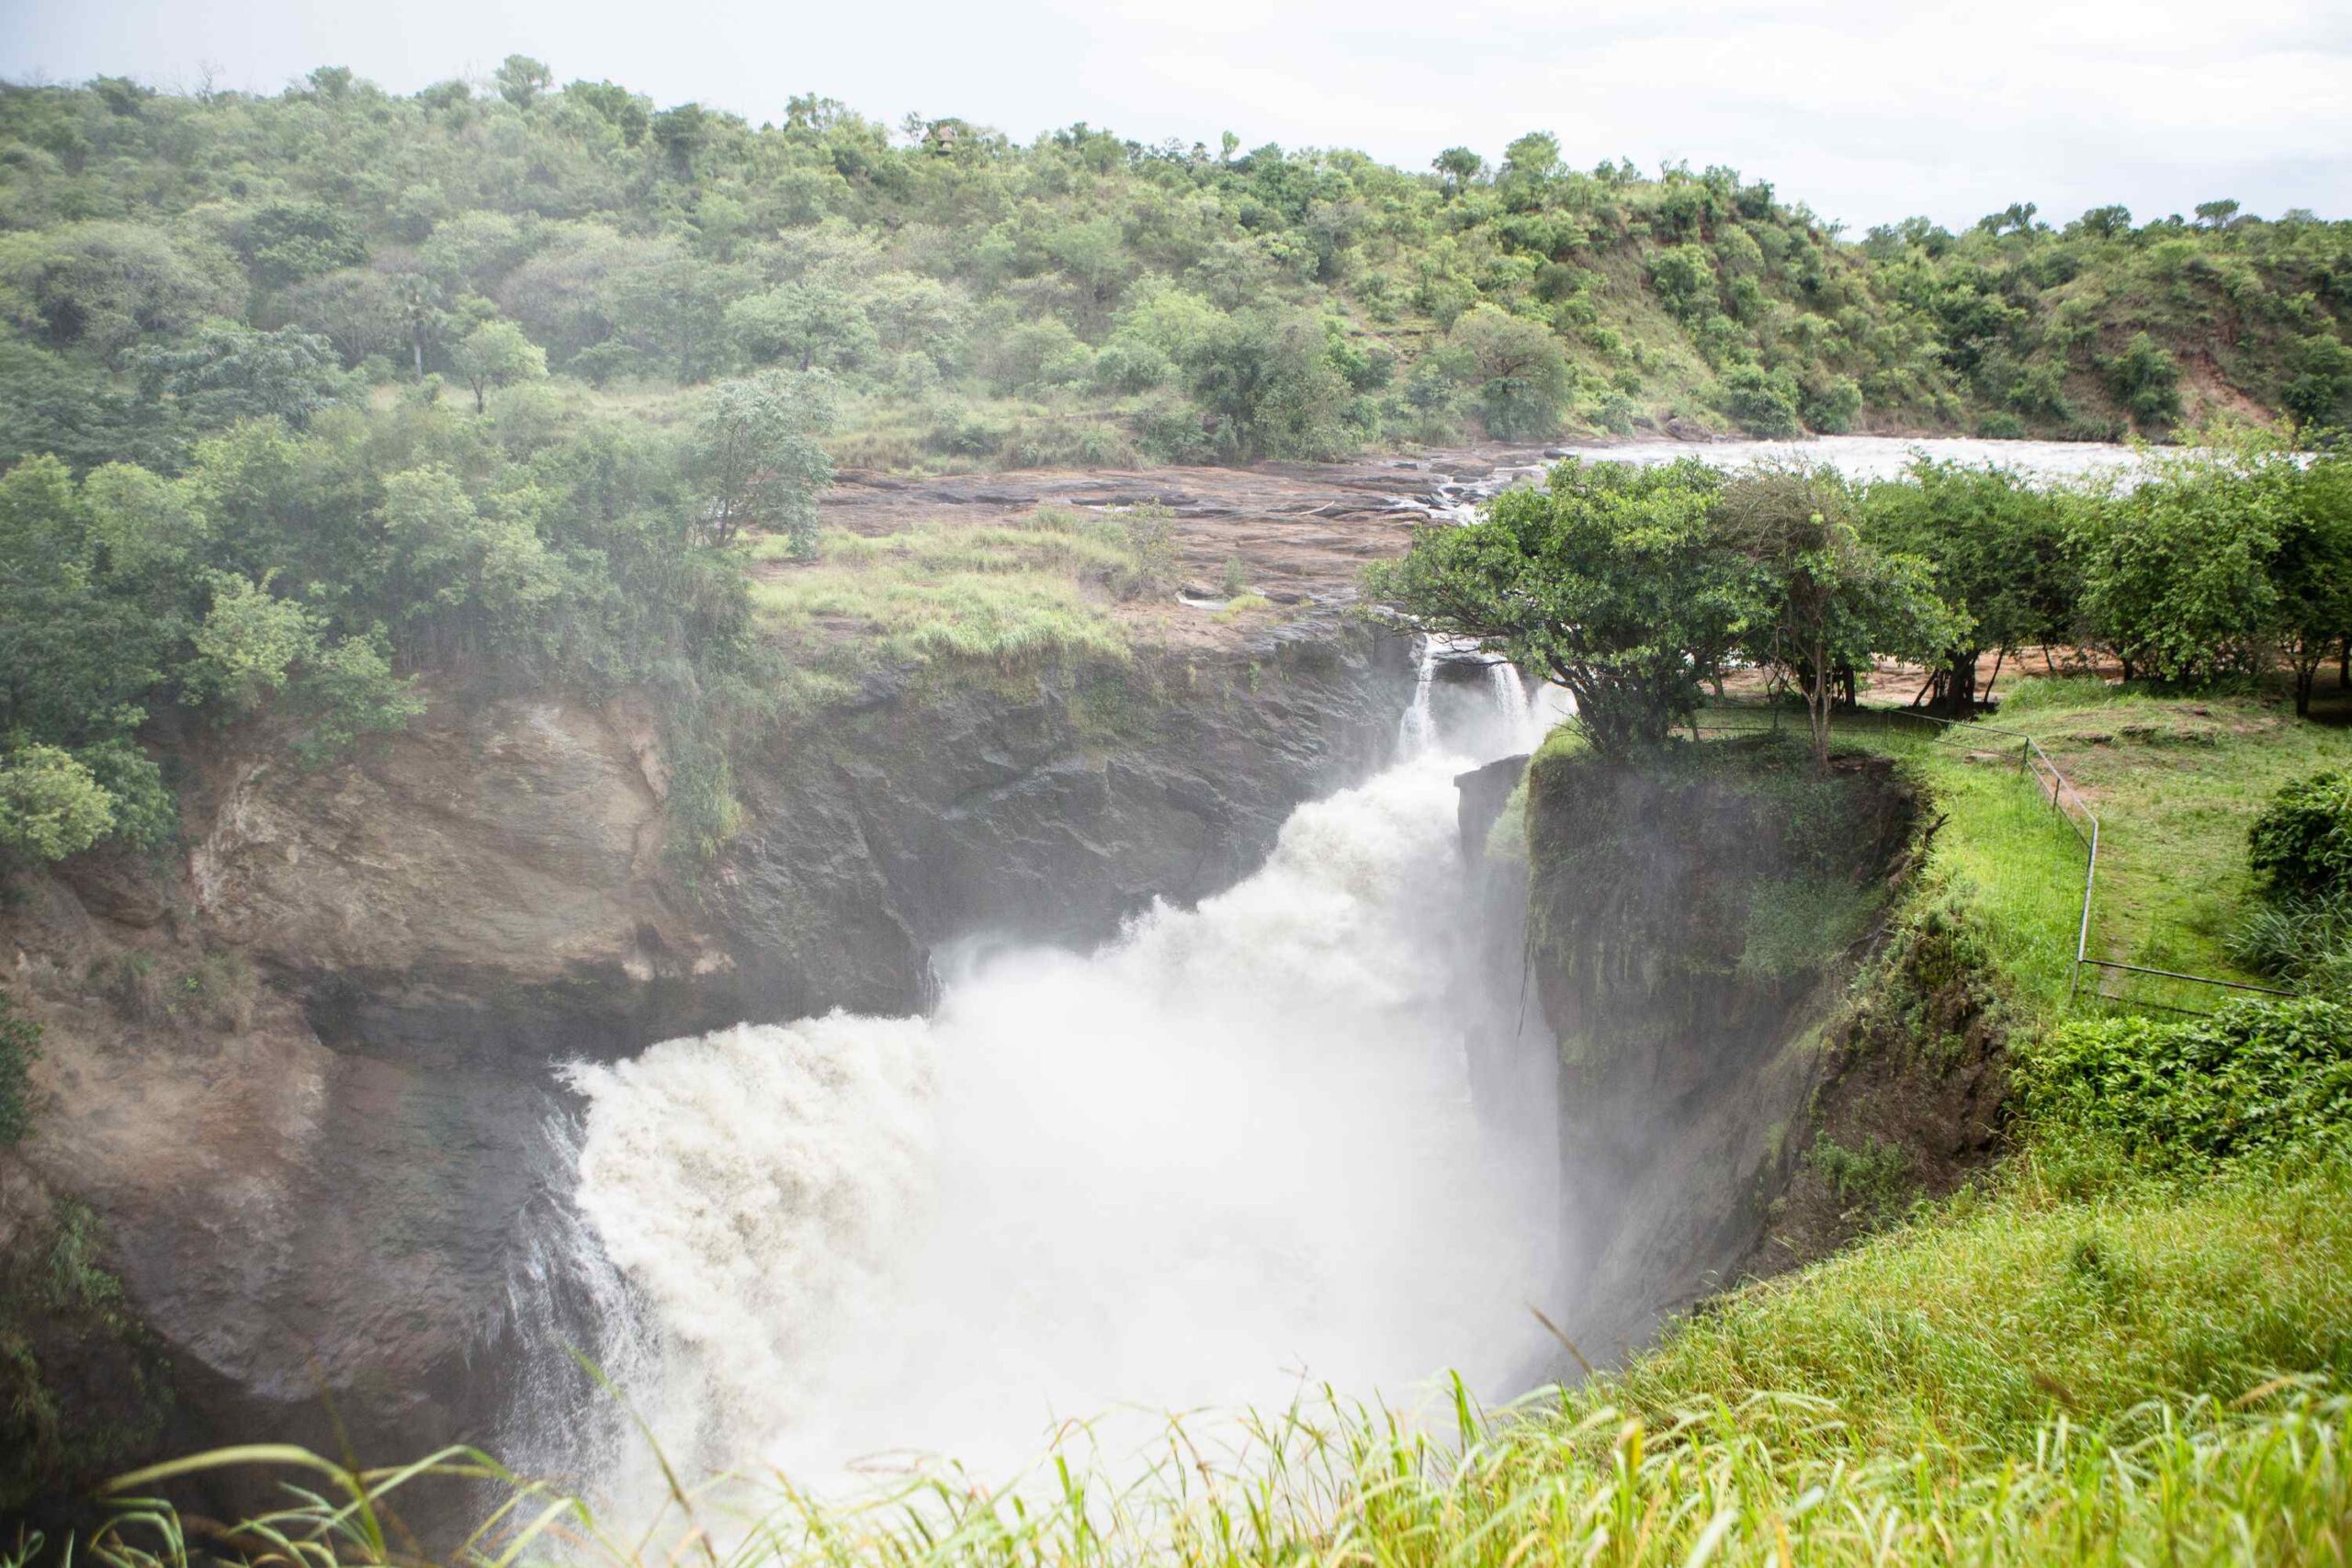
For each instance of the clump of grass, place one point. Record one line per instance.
(1875, 1180)
(1245, 605)
(1004, 594)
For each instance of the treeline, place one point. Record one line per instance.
(1079, 298)
(1636, 587)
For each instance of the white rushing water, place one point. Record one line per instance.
(1857, 457)
(1233, 1150)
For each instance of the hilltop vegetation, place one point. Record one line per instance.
(167, 261)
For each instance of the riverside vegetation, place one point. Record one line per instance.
(315, 403)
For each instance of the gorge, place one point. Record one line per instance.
(1166, 1074)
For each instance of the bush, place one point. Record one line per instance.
(2258, 1076)
(2306, 941)
(1153, 561)
(50, 805)
(1762, 403)
(2301, 844)
(19, 1043)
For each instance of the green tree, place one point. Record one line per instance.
(1460, 168)
(2146, 381)
(249, 644)
(1608, 580)
(2312, 571)
(1995, 547)
(2322, 381)
(1822, 598)
(225, 371)
(497, 354)
(815, 325)
(1267, 380)
(521, 80)
(2176, 570)
(1520, 376)
(757, 458)
(50, 805)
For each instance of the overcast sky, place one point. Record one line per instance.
(1867, 110)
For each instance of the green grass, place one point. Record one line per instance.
(1006, 594)
(2176, 781)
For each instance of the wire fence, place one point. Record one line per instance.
(2143, 986)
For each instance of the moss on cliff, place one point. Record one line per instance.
(85, 1389)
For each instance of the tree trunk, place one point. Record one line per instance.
(1998, 656)
(1816, 703)
(1960, 689)
(2306, 675)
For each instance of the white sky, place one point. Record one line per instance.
(1869, 109)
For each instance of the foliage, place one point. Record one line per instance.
(2302, 939)
(638, 243)
(1607, 579)
(2301, 844)
(496, 354)
(2258, 1076)
(1520, 378)
(83, 1386)
(19, 1043)
(2176, 570)
(757, 458)
(1819, 597)
(50, 806)
(1995, 547)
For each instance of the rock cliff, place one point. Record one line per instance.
(298, 1070)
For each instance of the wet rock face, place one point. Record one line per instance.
(1690, 922)
(314, 1172)
(1048, 809)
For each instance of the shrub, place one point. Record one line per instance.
(1152, 561)
(2306, 941)
(2259, 1076)
(19, 1043)
(50, 805)
(2301, 844)
(1762, 402)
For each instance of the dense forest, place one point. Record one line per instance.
(172, 261)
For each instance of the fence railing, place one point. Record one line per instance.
(2065, 799)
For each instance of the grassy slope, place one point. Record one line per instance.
(2078, 1360)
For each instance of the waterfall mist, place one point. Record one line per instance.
(1231, 1153)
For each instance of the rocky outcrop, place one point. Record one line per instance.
(1691, 919)
(301, 1070)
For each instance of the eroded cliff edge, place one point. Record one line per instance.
(298, 1070)
(1691, 920)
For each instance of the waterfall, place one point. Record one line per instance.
(1416, 730)
(1233, 1149)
